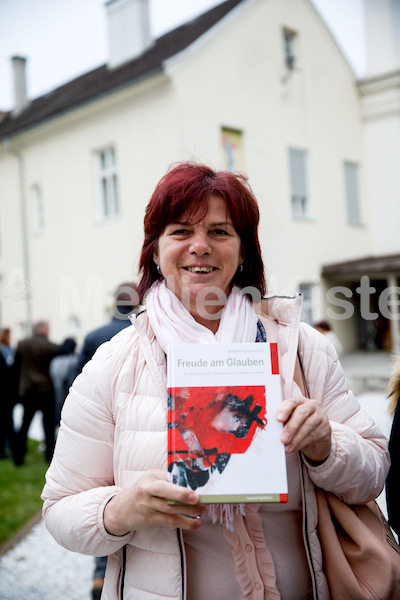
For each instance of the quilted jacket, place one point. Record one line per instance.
(114, 427)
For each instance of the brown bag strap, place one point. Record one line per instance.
(301, 376)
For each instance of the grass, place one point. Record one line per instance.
(20, 489)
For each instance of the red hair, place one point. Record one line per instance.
(187, 187)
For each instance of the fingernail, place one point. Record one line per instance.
(285, 437)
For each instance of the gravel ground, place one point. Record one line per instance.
(39, 569)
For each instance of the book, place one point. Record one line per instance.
(223, 437)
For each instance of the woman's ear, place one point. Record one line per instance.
(155, 256)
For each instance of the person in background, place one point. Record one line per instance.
(325, 328)
(61, 369)
(8, 393)
(35, 387)
(393, 479)
(6, 349)
(125, 304)
(107, 489)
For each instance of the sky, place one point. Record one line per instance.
(63, 39)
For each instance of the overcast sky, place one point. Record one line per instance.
(65, 38)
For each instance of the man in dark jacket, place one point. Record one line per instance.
(125, 303)
(35, 387)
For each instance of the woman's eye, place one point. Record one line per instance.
(180, 232)
(220, 232)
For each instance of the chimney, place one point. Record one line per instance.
(382, 20)
(128, 30)
(20, 94)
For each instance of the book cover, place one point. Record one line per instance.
(223, 438)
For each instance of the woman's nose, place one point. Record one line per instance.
(200, 244)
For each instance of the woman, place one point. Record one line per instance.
(107, 490)
(393, 479)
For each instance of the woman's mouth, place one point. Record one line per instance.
(200, 269)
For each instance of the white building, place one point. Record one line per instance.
(251, 85)
(376, 314)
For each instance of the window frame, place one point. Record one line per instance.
(308, 290)
(237, 155)
(352, 186)
(298, 196)
(290, 49)
(38, 212)
(108, 202)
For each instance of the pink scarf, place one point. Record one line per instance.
(172, 323)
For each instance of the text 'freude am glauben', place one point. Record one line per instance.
(230, 362)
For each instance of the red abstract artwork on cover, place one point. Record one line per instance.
(206, 425)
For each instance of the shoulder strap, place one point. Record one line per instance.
(299, 366)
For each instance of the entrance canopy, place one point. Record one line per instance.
(361, 266)
(382, 310)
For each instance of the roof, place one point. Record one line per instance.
(372, 264)
(102, 80)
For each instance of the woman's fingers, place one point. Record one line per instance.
(306, 428)
(302, 424)
(156, 484)
(172, 505)
(146, 504)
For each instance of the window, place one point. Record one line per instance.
(38, 210)
(289, 48)
(298, 177)
(108, 184)
(307, 311)
(352, 193)
(232, 147)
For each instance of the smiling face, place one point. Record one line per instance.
(199, 259)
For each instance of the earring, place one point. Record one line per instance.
(240, 268)
(159, 269)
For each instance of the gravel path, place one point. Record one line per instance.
(39, 569)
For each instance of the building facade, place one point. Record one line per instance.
(254, 86)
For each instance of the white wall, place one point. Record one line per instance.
(317, 109)
(233, 77)
(77, 262)
(380, 95)
(382, 143)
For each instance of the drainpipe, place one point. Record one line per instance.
(24, 231)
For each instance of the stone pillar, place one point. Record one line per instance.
(392, 282)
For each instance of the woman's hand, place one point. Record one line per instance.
(145, 505)
(306, 428)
